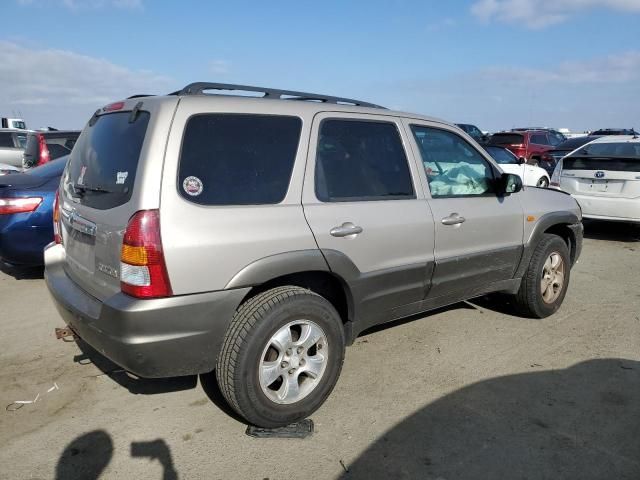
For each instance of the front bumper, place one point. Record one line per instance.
(154, 338)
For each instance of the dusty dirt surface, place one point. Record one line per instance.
(471, 391)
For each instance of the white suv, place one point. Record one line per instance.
(604, 177)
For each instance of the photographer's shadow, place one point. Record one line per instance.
(89, 455)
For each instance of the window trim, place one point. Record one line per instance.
(189, 200)
(413, 195)
(496, 171)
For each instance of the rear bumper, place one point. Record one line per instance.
(151, 338)
(22, 243)
(609, 208)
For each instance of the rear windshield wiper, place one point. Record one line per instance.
(90, 188)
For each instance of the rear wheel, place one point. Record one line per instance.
(543, 182)
(282, 356)
(545, 282)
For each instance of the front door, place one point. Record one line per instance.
(478, 233)
(363, 202)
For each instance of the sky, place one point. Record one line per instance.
(494, 63)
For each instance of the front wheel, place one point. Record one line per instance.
(545, 282)
(281, 357)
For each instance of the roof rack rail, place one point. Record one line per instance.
(198, 88)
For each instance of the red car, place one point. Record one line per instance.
(529, 144)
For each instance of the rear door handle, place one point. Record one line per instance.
(346, 229)
(453, 219)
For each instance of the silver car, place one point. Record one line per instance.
(12, 144)
(258, 237)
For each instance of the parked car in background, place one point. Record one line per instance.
(42, 147)
(15, 123)
(529, 145)
(604, 177)
(251, 236)
(613, 131)
(473, 131)
(555, 136)
(26, 213)
(12, 143)
(530, 174)
(6, 169)
(550, 158)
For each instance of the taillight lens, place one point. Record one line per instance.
(44, 150)
(19, 205)
(143, 272)
(57, 228)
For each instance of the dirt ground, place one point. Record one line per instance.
(470, 391)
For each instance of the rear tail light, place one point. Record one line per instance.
(143, 271)
(19, 205)
(44, 150)
(57, 228)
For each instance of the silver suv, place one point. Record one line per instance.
(258, 237)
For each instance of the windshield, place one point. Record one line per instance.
(106, 157)
(502, 156)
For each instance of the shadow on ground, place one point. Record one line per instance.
(581, 422)
(612, 231)
(151, 386)
(138, 386)
(87, 456)
(22, 273)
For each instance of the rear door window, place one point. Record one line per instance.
(238, 159)
(539, 139)
(103, 164)
(361, 160)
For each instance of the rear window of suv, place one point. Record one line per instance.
(506, 139)
(104, 160)
(238, 159)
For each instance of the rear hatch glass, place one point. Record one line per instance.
(609, 164)
(104, 160)
(506, 139)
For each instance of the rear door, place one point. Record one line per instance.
(102, 187)
(478, 234)
(363, 201)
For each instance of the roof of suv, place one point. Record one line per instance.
(618, 139)
(306, 102)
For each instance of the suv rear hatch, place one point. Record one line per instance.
(512, 141)
(101, 188)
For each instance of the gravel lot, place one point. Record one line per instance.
(466, 392)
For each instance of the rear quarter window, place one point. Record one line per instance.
(237, 159)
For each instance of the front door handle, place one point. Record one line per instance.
(453, 219)
(345, 230)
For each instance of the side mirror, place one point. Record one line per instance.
(522, 160)
(509, 183)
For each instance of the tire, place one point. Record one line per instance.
(251, 356)
(532, 299)
(543, 182)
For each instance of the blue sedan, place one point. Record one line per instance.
(26, 213)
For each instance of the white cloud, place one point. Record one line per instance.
(595, 93)
(64, 86)
(536, 14)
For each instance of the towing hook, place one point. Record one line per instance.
(66, 334)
